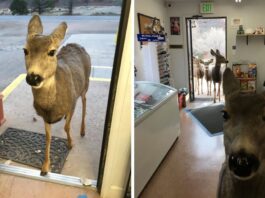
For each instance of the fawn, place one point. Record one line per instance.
(208, 75)
(243, 172)
(216, 73)
(57, 79)
(198, 73)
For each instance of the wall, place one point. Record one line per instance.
(252, 15)
(146, 57)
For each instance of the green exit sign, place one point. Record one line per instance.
(206, 7)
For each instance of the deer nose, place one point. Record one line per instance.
(243, 164)
(33, 79)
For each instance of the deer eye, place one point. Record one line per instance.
(51, 52)
(26, 52)
(225, 115)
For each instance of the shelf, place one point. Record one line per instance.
(246, 79)
(251, 35)
(248, 84)
(248, 91)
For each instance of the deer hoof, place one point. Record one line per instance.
(82, 134)
(70, 146)
(43, 173)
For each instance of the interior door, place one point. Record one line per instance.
(190, 59)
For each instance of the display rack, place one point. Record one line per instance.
(247, 75)
(163, 63)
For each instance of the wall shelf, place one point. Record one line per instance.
(251, 35)
(247, 76)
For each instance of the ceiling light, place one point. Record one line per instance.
(238, 1)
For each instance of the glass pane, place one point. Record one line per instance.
(94, 26)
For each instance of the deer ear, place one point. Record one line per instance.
(230, 83)
(35, 26)
(59, 32)
(217, 52)
(212, 52)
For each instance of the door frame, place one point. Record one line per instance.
(113, 88)
(190, 55)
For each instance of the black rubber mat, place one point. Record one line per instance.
(28, 148)
(210, 117)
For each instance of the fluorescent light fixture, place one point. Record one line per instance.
(238, 1)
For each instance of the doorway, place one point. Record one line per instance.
(204, 34)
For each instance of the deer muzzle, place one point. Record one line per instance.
(34, 79)
(243, 165)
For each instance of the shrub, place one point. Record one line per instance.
(19, 7)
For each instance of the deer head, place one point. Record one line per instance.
(40, 52)
(219, 58)
(244, 127)
(206, 63)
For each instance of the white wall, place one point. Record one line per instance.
(252, 14)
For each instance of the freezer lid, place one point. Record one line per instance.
(148, 95)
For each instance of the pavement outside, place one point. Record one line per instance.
(83, 159)
(100, 33)
(97, 35)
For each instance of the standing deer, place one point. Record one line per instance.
(57, 79)
(198, 73)
(216, 73)
(208, 75)
(243, 172)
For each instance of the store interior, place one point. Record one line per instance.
(187, 161)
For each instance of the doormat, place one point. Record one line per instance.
(28, 148)
(210, 118)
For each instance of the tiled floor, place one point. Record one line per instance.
(192, 166)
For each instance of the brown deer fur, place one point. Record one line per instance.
(198, 74)
(243, 172)
(57, 79)
(208, 75)
(216, 72)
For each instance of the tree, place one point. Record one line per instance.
(19, 7)
(41, 5)
(70, 7)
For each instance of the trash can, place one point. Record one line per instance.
(182, 97)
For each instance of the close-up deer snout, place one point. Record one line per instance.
(243, 164)
(34, 79)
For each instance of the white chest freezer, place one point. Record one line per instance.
(156, 115)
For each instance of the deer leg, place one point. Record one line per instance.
(67, 129)
(208, 91)
(201, 86)
(219, 94)
(82, 131)
(210, 88)
(46, 164)
(198, 86)
(214, 92)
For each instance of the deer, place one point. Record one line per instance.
(208, 75)
(198, 73)
(216, 72)
(57, 79)
(243, 172)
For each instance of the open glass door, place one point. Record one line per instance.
(204, 34)
(190, 59)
